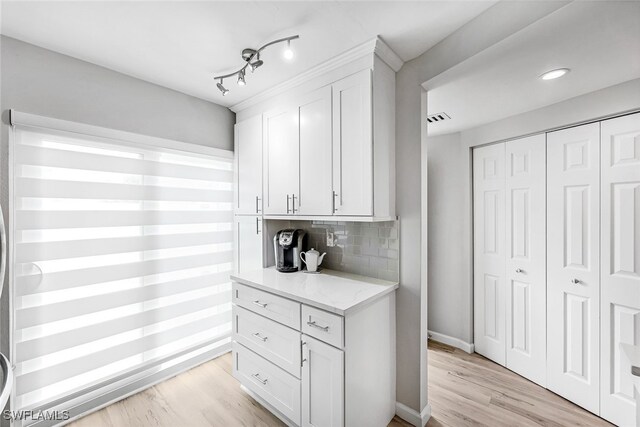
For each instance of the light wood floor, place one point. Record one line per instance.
(464, 390)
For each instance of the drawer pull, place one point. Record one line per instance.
(315, 325)
(261, 304)
(260, 337)
(257, 376)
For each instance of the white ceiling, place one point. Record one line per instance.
(599, 41)
(183, 44)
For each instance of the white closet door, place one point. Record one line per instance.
(573, 265)
(525, 258)
(489, 251)
(620, 274)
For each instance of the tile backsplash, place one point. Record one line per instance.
(366, 248)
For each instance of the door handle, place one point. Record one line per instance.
(293, 204)
(258, 199)
(519, 270)
(287, 203)
(257, 225)
(334, 209)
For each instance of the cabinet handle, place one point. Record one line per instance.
(258, 199)
(519, 270)
(257, 225)
(575, 281)
(263, 381)
(293, 204)
(334, 208)
(263, 305)
(260, 337)
(287, 203)
(315, 325)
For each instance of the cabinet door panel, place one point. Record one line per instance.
(322, 384)
(353, 145)
(526, 295)
(315, 197)
(248, 159)
(281, 164)
(248, 248)
(620, 273)
(489, 251)
(573, 264)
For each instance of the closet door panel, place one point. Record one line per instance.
(525, 257)
(620, 274)
(489, 251)
(573, 264)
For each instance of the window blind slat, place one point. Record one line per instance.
(43, 251)
(34, 187)
(41, 378)
(47, 313)
(75, 337)
(26, 220)
(37, 283)
(49, 157)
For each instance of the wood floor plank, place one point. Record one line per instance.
(464, 390)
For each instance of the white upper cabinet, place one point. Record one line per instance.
(314, 115)
(329, 143)
(248, 158)
(281, 166)
(353, 145)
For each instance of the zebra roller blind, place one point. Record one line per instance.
(121, 261)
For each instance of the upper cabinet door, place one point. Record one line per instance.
(248, 157)
(353, 145)
(314, 113)
(620, 273)
(573, 264)
(281, 166)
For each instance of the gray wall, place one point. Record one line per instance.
(477, 35)
(39, 81)
(450, 203)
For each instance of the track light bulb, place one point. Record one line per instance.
(288, 52)
(241, 81)
(256, 64)
(222, 88)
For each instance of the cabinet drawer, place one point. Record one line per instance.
(323, 325)
(268, 305)
(273, 341)
(277, 387)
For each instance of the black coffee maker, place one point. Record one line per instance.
(287, 245)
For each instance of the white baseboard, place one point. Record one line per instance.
(412, 416)
(453, 342)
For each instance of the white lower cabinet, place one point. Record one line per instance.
(322, 384)
(310, 367)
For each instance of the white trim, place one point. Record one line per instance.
(375, 46)
(329, 218)
(412, 416)
(18, 118)
(452, 341)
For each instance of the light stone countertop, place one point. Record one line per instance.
(334, 291)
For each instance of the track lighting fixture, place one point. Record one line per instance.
(253, 61)
(222, 88)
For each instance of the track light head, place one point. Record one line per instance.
(255, 65)
(222, 88)
(288, 52)
(241, 81)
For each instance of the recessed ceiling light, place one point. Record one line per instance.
(554, 74)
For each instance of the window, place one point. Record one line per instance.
(121, 261)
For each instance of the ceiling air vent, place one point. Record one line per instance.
(438, 117)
